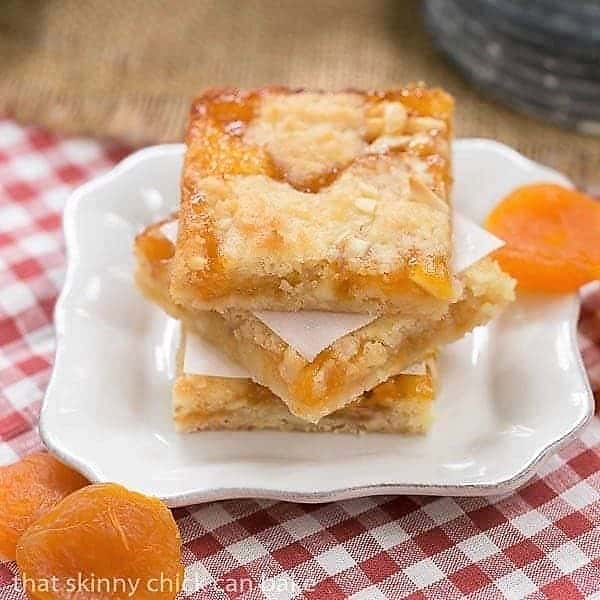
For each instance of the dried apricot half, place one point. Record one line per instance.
(552, 237)
(102, 542)
(29, 489)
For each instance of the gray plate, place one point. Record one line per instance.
(555, 88)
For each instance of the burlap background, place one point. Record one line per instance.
(127, 68)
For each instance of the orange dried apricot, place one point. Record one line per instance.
(102, 542)
(29, 489)
(552, 237)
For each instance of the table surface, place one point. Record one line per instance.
(541, 542)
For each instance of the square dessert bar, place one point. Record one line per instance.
(354, 363)
(312, 200)
(403, 404)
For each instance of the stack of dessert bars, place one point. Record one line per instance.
(313, 248)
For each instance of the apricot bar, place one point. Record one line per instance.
(354, 363)
(403, 404)
(312, 200)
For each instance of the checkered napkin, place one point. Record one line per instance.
(541, 542)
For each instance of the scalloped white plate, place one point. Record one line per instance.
(511, 392)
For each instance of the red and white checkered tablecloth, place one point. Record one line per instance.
(542, 542)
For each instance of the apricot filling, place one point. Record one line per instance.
(552, 237)
(305, 386)
(435, 281)
(333, 379)
(413, 386)
(433, 278)
(155, 248)
(217, 152)
(419, 100)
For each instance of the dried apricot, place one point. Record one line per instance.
(29, 489)
(102, 542)
(552, 237)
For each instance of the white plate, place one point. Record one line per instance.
(511, 392)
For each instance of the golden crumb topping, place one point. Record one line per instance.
(369, 220)
(307, 134)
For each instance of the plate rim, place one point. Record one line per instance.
(194, 496)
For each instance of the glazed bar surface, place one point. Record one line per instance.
(403, 404)
(312, 200)
(354, 363)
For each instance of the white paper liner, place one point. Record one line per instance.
(202, 358)
(471, 243)
(310, 332)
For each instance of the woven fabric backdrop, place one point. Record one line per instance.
(541, 542)
(128, 68)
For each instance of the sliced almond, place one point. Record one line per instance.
(394, 117)
(197, 263)
(374, 127)
(215, 186)
(417, 124)
(385, 142)
(419, 192)
(365, 205)
(357, 247)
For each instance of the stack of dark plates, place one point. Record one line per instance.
(539, 56)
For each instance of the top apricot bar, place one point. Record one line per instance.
(313, 200)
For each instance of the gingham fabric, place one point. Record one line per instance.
(542, 542)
